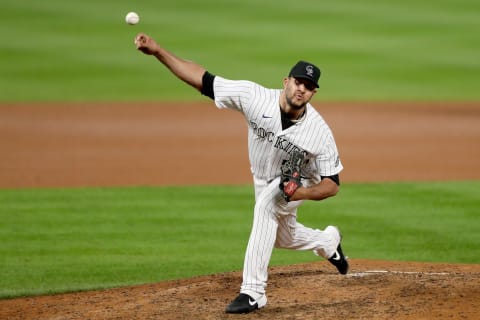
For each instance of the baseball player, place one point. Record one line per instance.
(293, 158)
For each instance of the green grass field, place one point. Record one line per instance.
(368, 50)
(57, 240)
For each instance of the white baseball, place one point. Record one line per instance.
(132, 18)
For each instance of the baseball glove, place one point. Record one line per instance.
(290, 179)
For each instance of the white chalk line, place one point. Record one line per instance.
(373, 272)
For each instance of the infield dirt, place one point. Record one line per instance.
(151, 144)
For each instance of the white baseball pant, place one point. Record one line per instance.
(275, 225)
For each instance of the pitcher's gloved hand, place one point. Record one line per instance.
(291, 178)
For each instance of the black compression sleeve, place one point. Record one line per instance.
(335, 178)
(207, 85)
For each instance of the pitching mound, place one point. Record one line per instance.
(372, 290)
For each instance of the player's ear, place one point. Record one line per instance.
(285, 82)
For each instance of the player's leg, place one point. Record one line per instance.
(259, 250)
(261, 242)
(293, 235)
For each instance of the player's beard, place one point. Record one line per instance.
(295, 105)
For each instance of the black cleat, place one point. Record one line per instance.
(339, 260)
(245, 304)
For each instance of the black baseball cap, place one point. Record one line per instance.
(306, 70)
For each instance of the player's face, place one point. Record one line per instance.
(298, 92)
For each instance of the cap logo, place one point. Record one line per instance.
(309, 70)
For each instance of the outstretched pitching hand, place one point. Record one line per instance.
(145, 44)
(188, 71)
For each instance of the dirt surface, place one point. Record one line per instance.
(372, 290)
(149, 144)
(152, 144)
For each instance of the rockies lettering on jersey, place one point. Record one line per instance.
(286, 145)
(262, 133)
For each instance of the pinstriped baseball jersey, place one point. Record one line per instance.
(268, 144)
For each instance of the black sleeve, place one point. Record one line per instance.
(207, 85)
(335, 178)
